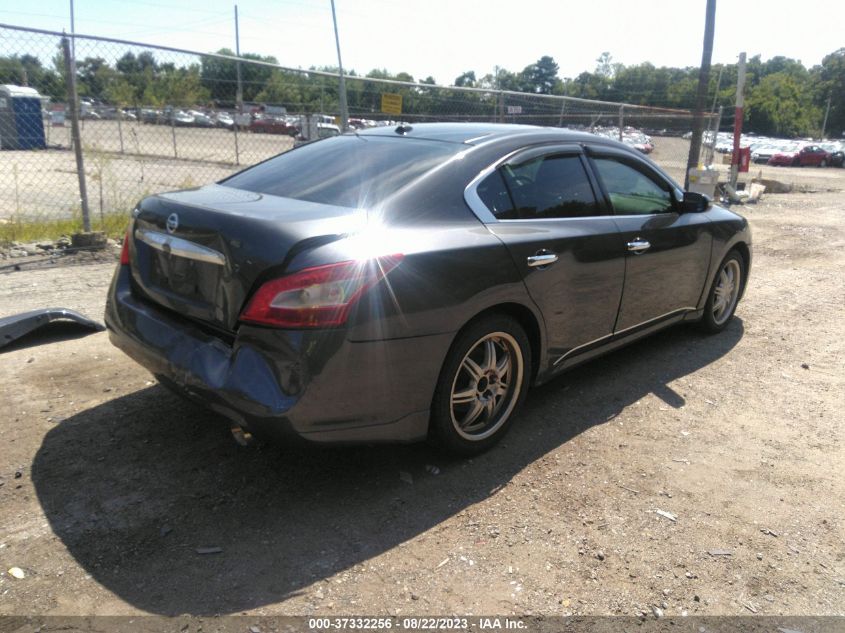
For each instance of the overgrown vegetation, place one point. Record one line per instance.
(50, 227)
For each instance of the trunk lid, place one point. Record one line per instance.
(200, 252)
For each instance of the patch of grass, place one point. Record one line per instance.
(32, 229)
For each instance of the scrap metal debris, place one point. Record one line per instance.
(666, 515)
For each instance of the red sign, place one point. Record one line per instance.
(744, 158)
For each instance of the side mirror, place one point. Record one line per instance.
(695, 202)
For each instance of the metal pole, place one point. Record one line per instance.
(621, 121)
(239, 95)
(714, 134)
(703, 80)
(718, 85)
(72, 30)
(344, 112)
(740, 86)
(824, 123)
(237, 148)
(120, 128)
(73, 102)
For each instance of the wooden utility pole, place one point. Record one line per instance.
(740, 102)
(824, 123)
(701, 96)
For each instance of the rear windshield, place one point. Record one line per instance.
(347, 171)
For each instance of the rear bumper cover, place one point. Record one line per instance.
(315, 385)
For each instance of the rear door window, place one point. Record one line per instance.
(347, 171)
(553, 186)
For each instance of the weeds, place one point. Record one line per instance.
(33, 229)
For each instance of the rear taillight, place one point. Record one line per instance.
(124, 252)
(316, 297)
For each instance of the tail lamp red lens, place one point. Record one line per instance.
(124, 251)
(322, 296)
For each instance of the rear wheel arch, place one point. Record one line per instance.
(526, 318)
(484, 379)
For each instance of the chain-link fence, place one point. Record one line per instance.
(153, 119)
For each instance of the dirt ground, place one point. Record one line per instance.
(111, 485)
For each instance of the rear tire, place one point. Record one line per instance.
(724, 294)
(483, 382)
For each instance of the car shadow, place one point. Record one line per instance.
(138, 487)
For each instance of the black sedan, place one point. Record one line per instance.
(413, 282)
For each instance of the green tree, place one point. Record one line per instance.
(466, 80)
(781, 105)
(220, 76)
(829, 81)
(541, 76)
(93, 73)
(181, 87)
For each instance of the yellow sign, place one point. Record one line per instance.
(391, 103)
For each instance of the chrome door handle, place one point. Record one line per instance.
(638, 246)
(545, 259)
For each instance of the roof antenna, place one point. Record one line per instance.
(403, 129)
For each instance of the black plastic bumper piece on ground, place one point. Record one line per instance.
(18, 325)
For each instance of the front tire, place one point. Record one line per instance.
(483, 382)
(724, 294)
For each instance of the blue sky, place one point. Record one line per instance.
(443, 38)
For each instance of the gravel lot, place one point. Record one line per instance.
(739, 437)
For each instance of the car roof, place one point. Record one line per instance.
(475, 133)
(506, 136)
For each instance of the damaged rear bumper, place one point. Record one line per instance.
(315, 385)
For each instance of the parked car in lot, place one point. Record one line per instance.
(149, 115)
(639, 141)
(398, 284)
(836, 152)
(224, 120)
(762, 153)
(319, 131)
(801, 156)
(113, 114)
(180, 119)
(263, 124)
(201, 119)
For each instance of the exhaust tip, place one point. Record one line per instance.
(242, 436)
